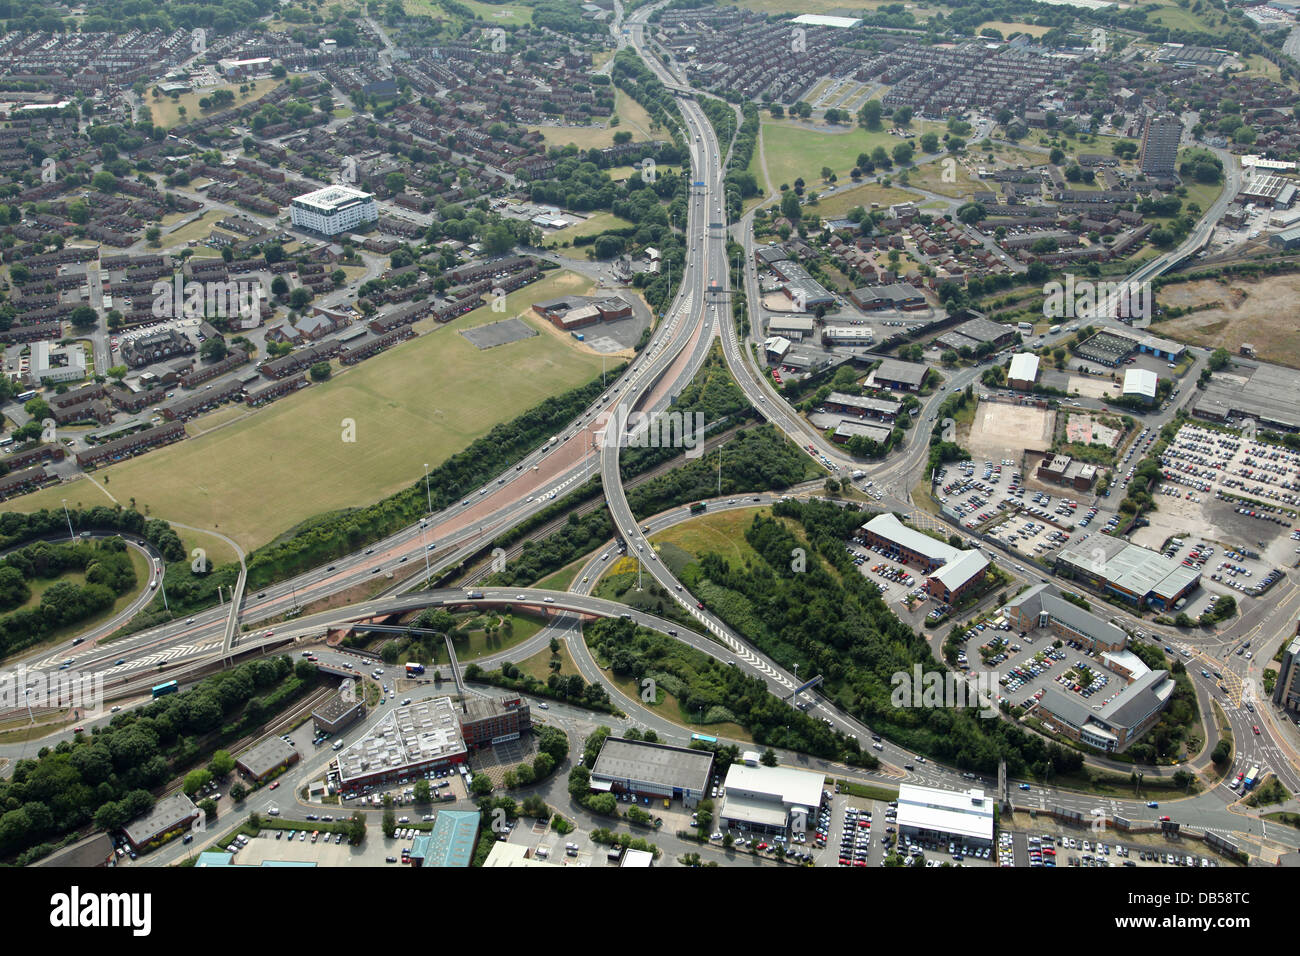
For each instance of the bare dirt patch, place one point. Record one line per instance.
(1004, 431)
(1259, 311)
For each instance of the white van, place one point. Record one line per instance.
(338, 745)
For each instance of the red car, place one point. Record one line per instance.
(1164, 819)
(274, 785)
(1256, 729)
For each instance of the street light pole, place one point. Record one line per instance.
(69, 517)
(162, 586)
(428, 495)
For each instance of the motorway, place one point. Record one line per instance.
(591, 445)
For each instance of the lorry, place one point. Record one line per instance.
(1054, 329)
(413, 668)
(698, 507)
(1025, 326)
(554, 439)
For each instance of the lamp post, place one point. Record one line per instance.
(162, 571)
(69, 517)
(428, 495)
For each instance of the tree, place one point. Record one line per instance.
(320, 371)
(903, 116)
(869, 115)
(83, 317)
(195, 781)
(117, 372)
(769, 758)
(1219, 359)
(221, 763)
(480, 785)
(238, 792)
(357, 828)
(279, 286)
(903, 153)
(214, 349)
(423, 794)
(390, 818)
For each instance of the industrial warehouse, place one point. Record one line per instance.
(1132, 573)
(656, 770)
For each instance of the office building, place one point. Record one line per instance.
(488, 721)
(1286, 691)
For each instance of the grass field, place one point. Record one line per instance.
(199, 229)
(631, 116)
(561, 579)
(931, 176)
(166, 111)
(1010, 28)
(670, 708)
(839, 203)
(722, 532)
(419, 402)
(596, 223)
(793, 151)
(539, 665)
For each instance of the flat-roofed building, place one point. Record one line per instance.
(333, 210)
(1286, 691)
(793, 327)
(942, 816)
(1064, 470)
(770, 799)
(652, 769)
(1160, 141)
(494, 720)
(340, 711)
(266, 759)
(406, 742)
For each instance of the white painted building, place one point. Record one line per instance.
(333, 210)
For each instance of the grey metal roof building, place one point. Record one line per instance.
(652, 769)
(267, 757)
(1042, 607)
(891, 372)
(1267, 394)
(1131, 572)
(168, 814)
(1112, 726)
